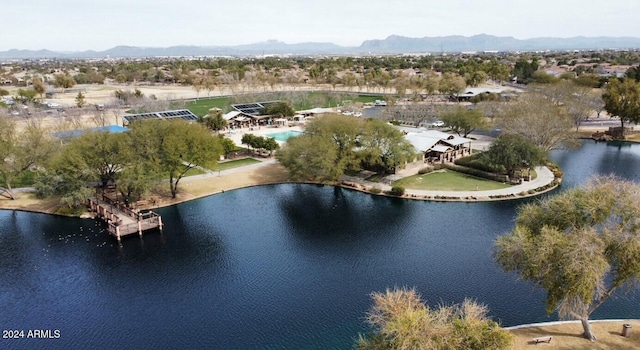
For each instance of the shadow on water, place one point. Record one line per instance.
(328, 213)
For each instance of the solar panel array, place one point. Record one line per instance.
(184, 114)
(252, 108)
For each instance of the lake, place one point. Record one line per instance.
(271, 267)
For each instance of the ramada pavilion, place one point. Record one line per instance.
(439, 147)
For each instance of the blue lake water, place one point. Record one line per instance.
(271, 267)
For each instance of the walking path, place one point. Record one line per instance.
(545, 177)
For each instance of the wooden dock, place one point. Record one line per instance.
(121, 220)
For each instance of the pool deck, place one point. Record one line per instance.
(237, 134)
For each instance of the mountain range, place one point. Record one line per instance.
(393, 44)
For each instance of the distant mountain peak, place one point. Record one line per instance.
(393, 44)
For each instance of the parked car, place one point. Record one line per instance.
(437, 124)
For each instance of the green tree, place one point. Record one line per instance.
(281, 109)
(476, 78)
(524, 70)
(260, 142)
(580, 246)
(228, 145)
(334, 144)
(176, 147)
(633, 73)
(622, 99)
(270, 145)
(249, 140)
(26, 95)
(137, 178)
(463, 120)
(344, 132)
(384, 147)
(513, 152)
(98, 156)
(402, 321)
(311, 158)
(21, 151)
(63, 81)
(214, 120)
(38, 86)
(451, 84)
(80, 100)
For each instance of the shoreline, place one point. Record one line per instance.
(272, 173)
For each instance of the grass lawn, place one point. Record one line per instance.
(190, 172)
(368, 99)
(448, 181)
(235, 163)
(201, 107)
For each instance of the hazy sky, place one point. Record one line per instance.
(71, 25)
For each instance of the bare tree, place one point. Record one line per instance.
(539, 120)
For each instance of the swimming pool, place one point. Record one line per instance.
(284, 135)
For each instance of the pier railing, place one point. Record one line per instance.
(122, 220)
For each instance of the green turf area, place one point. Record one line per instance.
(368, 99)
(448, 181)
(236, 163)
(201, 107)
(190, 172)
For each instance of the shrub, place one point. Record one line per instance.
(555, 169)
(475, 172)
(375, 190)
(396, 191)
(426, 170)
(477, 161)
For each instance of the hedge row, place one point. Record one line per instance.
(476, 172)
(476, 161)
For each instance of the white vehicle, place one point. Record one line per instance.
(437, 124)
(379, 103)
(52, 105)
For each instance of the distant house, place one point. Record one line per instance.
(438, 147)
(607, 70)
